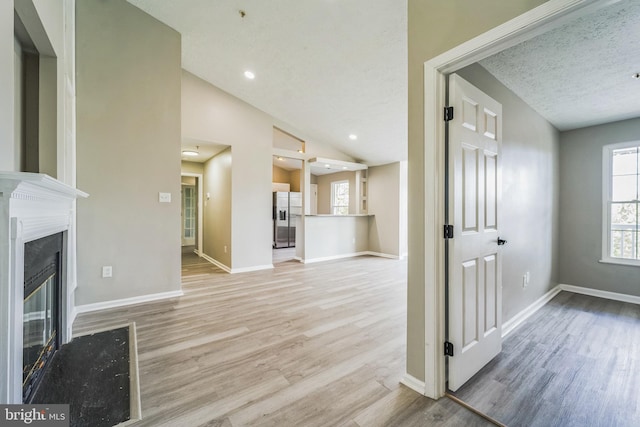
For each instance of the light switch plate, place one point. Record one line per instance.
(107, 271)
(164, 197)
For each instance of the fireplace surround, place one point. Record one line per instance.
(32, 207)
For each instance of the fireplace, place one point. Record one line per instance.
(37, 277)
(41, 309)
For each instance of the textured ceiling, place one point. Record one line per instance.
(578, 74)
(327, 67)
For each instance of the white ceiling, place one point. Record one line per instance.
(330, 68)
(579, 74)
(205, 149)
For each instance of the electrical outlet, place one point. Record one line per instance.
(107, 271)
(164, 197)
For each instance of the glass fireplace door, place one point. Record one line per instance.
(39, 328)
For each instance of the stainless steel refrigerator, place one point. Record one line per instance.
(287, 207)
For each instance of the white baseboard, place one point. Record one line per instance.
(86, 308)
(382, 255)
(216, 262)
(349, 255)
(334, 257)
(413, 383)
(236, 270)
(515, 321)
(601, 294)
(249, 269)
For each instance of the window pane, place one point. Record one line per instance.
(625, 161)
(341, 210)
(623, 215)
(625, 187)
(625, 230)
(340, 201)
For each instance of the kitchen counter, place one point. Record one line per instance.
(335, 236)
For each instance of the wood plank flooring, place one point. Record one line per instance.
(283, 254)
(576, 362)
(300, 345)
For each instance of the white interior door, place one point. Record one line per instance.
(475, 264)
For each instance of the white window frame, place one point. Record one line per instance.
(333, 198)
(607, 188)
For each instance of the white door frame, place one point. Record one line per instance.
(200, 186)
(528, 25)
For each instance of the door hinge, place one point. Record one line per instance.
(448, 348)
(448, 231)
(448, 114)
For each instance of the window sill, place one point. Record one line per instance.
(616, 261)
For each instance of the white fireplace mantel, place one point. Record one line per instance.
(32, 206)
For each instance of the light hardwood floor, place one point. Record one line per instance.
(575, 362)
(283, 254)
(300, 345)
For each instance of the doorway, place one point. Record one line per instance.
(287, 207)
(509, 34)
(191, 231)
(289, 196)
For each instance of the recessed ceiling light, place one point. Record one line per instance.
(345, 168)
(248, 74)
(280, 158)
(327, 166)
(300, 151)
(353, 137)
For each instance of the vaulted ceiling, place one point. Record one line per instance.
(333, 68)
(329, 68)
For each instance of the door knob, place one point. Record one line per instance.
(501, 241)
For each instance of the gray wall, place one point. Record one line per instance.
(581, 209)
(334, 236)
(18, 102)
(10, 159)
(128, 150)
(324, 190)
(210, 114)
(192, 167)
(435, 26)
(383, 185)
(217, 209)
(530, 189)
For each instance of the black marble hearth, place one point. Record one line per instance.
(91, 374)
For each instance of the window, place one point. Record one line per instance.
(340, 197)
(621, 214)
